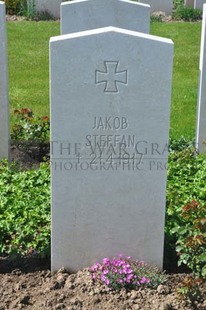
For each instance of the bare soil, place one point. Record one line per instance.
(29, 284)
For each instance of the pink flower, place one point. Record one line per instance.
(95, 267)
(106, 261)
(144, 280)
(107, 282)
(104, 279)
(129, 278)
(114, 270)
(129, 270)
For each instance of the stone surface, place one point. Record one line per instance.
(198, 4)
(110, 109)
(90, 14)
(201, 104)
(4, 100)
(51, 6)
(160, 5)
(189, 3)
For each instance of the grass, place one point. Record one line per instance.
(186, 37)
(28, 44)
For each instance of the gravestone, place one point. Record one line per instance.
(201, 104)
(160, 5)
(110, 108)
(189, 3)
(4, 101)
(91, 14)
(198, 4)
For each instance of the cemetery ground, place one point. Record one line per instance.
(25, 193)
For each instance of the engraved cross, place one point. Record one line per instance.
(111, 77)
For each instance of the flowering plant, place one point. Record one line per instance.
(125, 272)
(191, 243)
(189, 288)
(31, 133)
(29, 127)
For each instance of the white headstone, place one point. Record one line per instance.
(4, 101)
(201, 104)
(189, 3)
(160, 5)
(110, 110)
(198, 4)
(83, 15)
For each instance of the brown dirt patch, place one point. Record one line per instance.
(29, 284)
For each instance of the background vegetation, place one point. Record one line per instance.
(28, 45)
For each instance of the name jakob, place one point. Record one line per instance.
(109, 122)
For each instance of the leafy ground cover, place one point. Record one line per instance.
(185, 212)
(186, 198)
(24, 210)
(25, 196)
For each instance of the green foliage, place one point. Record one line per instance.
(29, 127)
(187, 14)
(24, 210)
(191, 243)
(26, 8)
(182, 12)
(42, 15)
(30, 134)
(156, 18)
(15, 7)
(190, 290)
(177, 3)
(30, 11)
(186, 183)
(180, 145)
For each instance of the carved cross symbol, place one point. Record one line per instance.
(111, 77)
